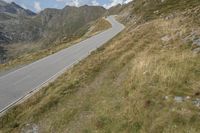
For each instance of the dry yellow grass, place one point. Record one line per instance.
(126, 86)
(99, 26)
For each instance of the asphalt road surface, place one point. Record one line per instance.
(17, 84)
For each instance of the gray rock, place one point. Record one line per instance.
(179, 99)
(166, 38)
(193, 37)
(166, 97)
(30, 128)
(196, 102)
(196, 42)
(196, 50)
(171, 16)
(156, 12)
(188, 97)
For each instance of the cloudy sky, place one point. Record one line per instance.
(38, 5)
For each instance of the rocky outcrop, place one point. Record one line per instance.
(13, 8)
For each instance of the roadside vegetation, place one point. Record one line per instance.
(99, 26)
(145, 80)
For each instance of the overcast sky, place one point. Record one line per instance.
(38, 5)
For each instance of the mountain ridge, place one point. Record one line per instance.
(18, 24)
(14, 8)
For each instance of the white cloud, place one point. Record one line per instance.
(24, 6)
(79, 2)
(95, 3)
(70, 2)
(8, 1)
(37, 6)
(127, 1)
(60, 0)
(115, 2)
(75, 2)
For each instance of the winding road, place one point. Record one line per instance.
(17, 85)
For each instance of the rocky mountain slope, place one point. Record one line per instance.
(18, 24)
(22, 27)
(13, 8)
(70, 22)
(11, 15)
(146, 80)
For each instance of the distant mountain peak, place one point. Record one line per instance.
(16, 5)
(14, 8)
(2, 3)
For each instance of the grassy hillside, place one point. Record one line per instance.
(146, 10)
(98, 26)
(146, 80)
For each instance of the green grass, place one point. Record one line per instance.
(122, 87)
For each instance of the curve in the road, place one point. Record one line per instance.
(16, 85)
